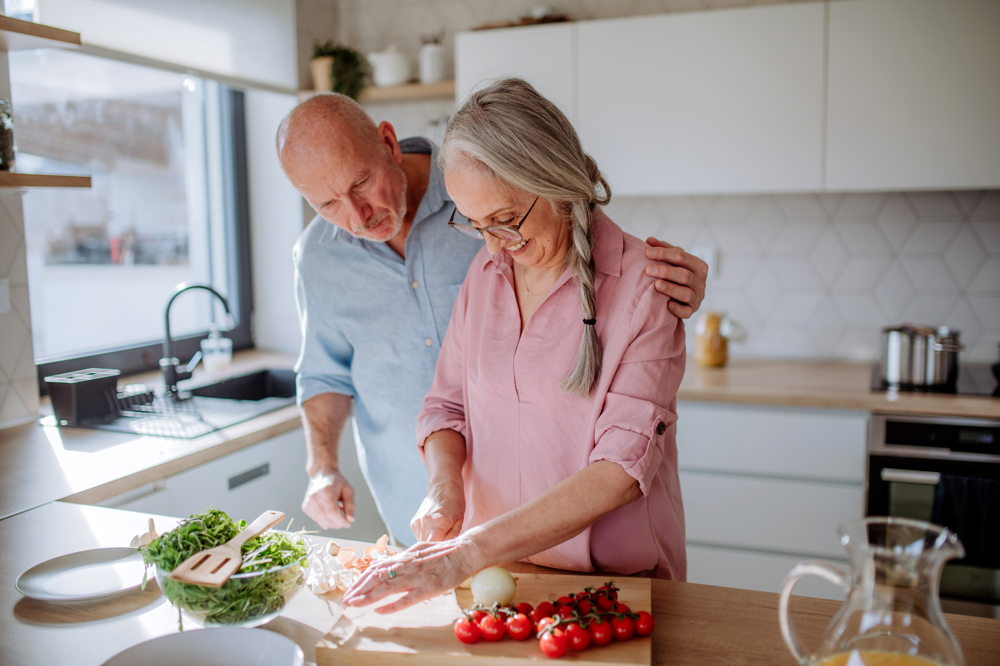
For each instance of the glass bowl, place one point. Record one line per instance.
(245, 600)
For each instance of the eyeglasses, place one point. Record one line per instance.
(505, 233)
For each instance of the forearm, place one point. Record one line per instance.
(558, 514)
(444, 455)
(323, 419)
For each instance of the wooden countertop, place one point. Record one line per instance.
(695, 624)
(823, 384)
(40, 464)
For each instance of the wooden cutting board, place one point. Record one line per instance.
(424, 635)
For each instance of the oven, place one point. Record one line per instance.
(944, 470)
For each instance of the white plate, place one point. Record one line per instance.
(223, 646)
(89, 574)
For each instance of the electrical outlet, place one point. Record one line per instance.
(4, 295)
(709, 254)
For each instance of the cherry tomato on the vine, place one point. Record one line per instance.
(622, 608)
(546, 608)
(492, 627)
(584, 606)
(554, 644)
(544, 622)
(537, 616)
(477, 616)
(623, 628)
(611, 591)
(524, 607)
(565, 610)
(467, 632)
(604, 603)
(563, 600)
(519, 627)
(644, 624)
(579, 638)
(601, 632)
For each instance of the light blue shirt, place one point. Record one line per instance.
(372, 326)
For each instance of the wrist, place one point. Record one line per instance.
(473, 552)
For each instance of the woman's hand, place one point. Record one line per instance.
(423, 571)
(683, 280)
(441, 513)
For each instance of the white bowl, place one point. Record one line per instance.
(223, 646)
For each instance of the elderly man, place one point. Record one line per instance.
(377, 273)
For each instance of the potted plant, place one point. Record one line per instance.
(338, 68)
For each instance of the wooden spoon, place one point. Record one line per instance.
(213, 567)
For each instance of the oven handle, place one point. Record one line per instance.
(910, 476)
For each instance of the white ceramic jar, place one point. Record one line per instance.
(390, 67)
(432, 63)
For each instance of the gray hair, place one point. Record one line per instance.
(520, 140)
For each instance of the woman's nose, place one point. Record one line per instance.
(493, 244)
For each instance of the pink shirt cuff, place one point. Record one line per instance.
(639, 454)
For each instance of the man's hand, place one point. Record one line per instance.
(683, 280)
(440, 515)
(330, 500)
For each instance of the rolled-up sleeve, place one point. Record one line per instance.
(444, 404)
(637, 419)
(324, 364)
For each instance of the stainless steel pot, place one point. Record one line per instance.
(919, 357)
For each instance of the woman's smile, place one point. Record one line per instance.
(518, 248)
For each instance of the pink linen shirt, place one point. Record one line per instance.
(499, 388)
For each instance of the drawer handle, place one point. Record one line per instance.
(910, 476)
(249, 475)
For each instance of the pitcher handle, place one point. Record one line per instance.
(815, 568)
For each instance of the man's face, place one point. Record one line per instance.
(357, 187)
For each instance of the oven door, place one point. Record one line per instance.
(907, 487)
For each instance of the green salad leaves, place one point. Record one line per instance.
(242, 599)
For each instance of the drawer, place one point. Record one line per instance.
(746, 570)
(793, 517)
(766, 441)
(150, 498)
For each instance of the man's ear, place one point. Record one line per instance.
(387, 135)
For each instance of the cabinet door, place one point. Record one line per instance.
(763, 572)
(704, 102)
(914, 95)
(541, 55)
(828, 445)
(771, 515)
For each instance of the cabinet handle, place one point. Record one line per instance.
(249, 475)
(910, 476)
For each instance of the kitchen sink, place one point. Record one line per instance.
(272, 383)
(205, 408)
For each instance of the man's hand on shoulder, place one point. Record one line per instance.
(330, 500)
(683, 280)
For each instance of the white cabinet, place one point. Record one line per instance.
(541, 55)
(766, 487)
(704, 102)
(914, 95)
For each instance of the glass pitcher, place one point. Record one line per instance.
(892, 616)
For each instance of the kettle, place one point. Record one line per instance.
(390, 67)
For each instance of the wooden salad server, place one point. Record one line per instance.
(213, 567)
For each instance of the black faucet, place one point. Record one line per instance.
(173, 371)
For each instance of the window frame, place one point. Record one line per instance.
(141, 358)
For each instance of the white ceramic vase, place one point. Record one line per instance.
(432, 63)
(390, 67)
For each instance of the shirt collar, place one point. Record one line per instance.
(609, 246)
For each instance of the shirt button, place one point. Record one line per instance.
(428, 342)
(415, 284)
(661, 428)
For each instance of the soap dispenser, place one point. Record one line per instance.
(217, 352)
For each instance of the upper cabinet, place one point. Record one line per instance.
(542, 55)
(804, 97)
(914, 94)
(700, 102)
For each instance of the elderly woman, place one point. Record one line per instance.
(549, 430)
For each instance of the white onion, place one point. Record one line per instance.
(493, 585)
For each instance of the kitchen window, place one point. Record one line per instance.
(168, 204)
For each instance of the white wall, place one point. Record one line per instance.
(275, 224)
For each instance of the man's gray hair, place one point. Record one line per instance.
(519, 140)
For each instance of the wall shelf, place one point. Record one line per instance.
(408, 92)
(18, 35)
(11, 179)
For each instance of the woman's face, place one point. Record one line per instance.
(546, 236)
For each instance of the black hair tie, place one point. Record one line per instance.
(589, 322)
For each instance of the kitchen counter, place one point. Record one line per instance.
(822, 384)
(695, 624)
(40, 464)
